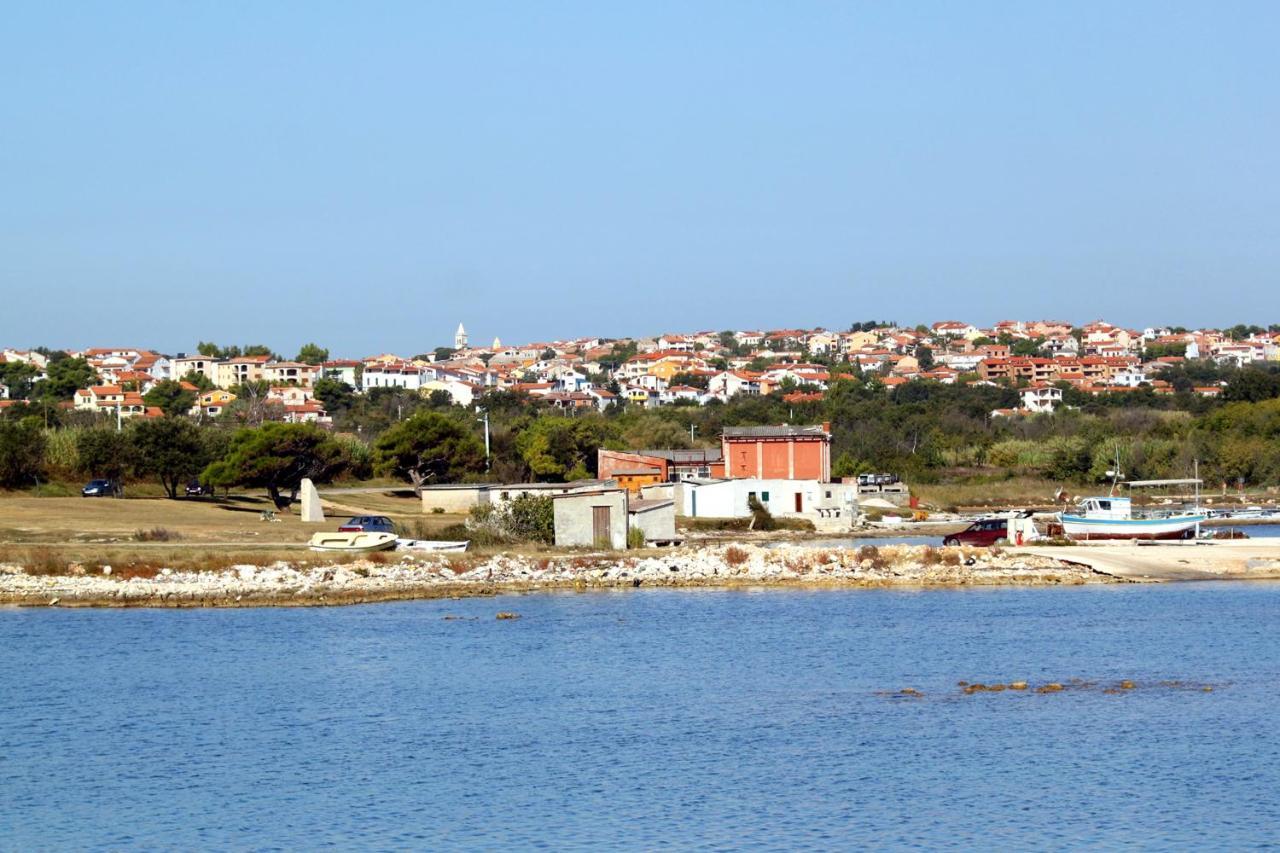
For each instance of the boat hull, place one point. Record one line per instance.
(1177, 527)
(357, 542)
(441, 546)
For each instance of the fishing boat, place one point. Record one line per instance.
(353, 541)
(1112, 517)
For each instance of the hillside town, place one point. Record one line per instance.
(1039, 358)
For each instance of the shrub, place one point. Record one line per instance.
(635, 537)
(735, 556)
(156, 534)
(526, 518)
(762, 518)
(44, 561)
(872, 553)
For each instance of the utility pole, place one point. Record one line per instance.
(485, 420)
(691, 431)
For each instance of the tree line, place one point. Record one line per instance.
(922, 430)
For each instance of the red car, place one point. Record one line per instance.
(983, 533)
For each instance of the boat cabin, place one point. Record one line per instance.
(1108, 507)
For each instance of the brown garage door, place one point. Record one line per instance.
(600, 526)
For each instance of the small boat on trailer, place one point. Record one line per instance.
(353, 542)
(1112, 517)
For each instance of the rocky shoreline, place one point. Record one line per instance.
(395, 577)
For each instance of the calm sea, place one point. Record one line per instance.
(638, 719)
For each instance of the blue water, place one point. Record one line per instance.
(636, 719)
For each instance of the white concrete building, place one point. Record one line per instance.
(1041, 398)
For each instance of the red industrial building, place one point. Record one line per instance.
(669, 466)
(778, 452)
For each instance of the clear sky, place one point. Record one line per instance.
(368, 174)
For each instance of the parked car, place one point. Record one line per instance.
(368, 524)
(983, 533)
(101, 489)
(196, 489)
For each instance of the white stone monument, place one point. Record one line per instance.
(311, 510)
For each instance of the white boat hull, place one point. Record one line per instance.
(1174, 527)
(436, 545)
(357, 542)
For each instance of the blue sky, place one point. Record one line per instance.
(368, 174)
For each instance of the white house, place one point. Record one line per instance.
(727, 383)
(1129, 377)
(401, 375)
(342, 371)
(732, 498)
(462, 393)
(1040, 398)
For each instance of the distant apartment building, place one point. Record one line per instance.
(289, 373)
(239, 370)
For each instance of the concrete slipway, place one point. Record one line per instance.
(1171, 561)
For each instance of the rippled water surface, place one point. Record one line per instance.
(633, 719)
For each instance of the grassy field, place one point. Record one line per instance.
(154, 525)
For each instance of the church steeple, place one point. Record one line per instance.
(460, 338)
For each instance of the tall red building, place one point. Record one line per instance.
(778, 452)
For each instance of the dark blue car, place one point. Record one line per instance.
(368, 524)
(100, 489)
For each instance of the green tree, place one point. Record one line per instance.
(64, 377)
(559, 449)
(444, 353)
(173, 450)
(531, 517)
(22, 445)
(1252, 385)
(202, 382)
(278, 457)
(693, 380)
(18, 377)
(335, 395)
(924, 355)
(312, 354)
(103, 452)
(170, 397)
(428, 447)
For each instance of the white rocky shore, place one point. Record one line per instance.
(395, 576)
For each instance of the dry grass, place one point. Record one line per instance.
(1016, 491)
(735, 556)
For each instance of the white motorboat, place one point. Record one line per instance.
(438, 545)
(354, 541)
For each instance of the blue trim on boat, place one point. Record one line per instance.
(1145, 521)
